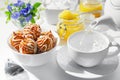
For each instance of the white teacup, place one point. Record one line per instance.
(90, 48)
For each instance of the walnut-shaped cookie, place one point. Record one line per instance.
(16, 38)
(46, 41)
(28, 46)
(29, 34)
(49, 33)
(32, 29)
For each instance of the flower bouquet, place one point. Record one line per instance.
(21, 13)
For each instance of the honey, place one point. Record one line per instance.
(68, 24)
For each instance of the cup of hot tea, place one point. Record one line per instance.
(90, 48)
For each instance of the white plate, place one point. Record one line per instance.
(108, 66)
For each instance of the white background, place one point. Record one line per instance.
(50, 71)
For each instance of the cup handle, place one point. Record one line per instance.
(115, 52)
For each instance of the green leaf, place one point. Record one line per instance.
(11, 4)
(34, 10)
(6, 2)
(8, 14)
(36, 5)
(1, 9)
(24, 6)
(33, 20)
(33, 14)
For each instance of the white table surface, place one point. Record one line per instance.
(50, 71)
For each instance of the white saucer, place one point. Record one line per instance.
(108, 66)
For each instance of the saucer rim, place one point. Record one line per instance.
(83, 68)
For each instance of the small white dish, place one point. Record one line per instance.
(108, 66)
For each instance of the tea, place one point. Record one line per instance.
(88, 42)
(93, 6)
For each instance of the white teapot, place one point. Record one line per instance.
(111, 15)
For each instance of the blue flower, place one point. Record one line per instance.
(19, 3)
(22, 21)
(24, 12)
(28, 18)
(29, 6)
(15, 15)
(9, 8)
(15, 4)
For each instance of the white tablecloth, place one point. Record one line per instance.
(50, 71)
